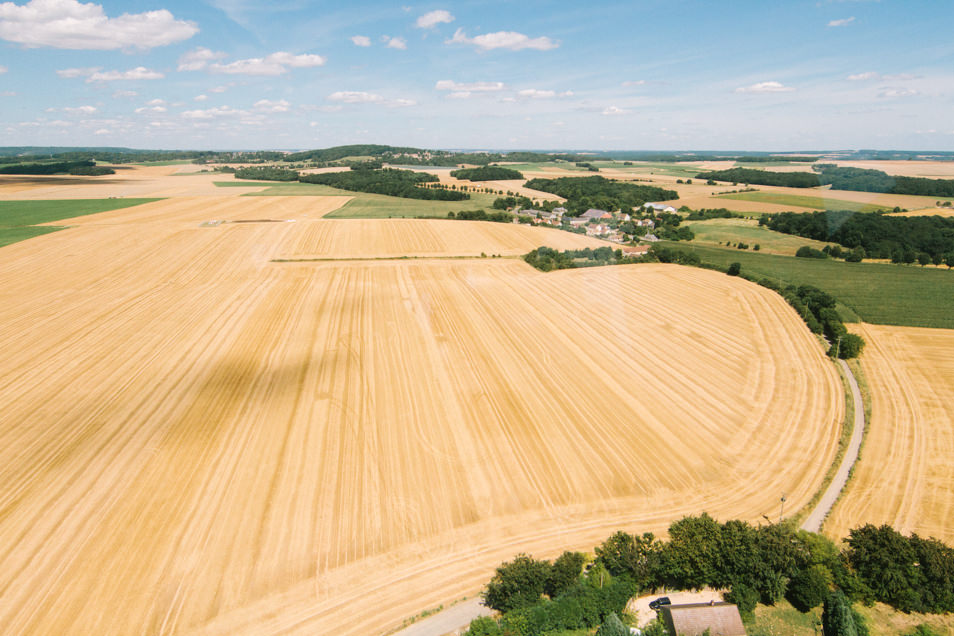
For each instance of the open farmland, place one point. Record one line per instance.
(199, 440)
(905, 476)
(718, 231)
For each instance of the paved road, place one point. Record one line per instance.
(452, 620)
(455, 619)
(814, 520)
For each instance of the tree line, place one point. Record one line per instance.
(486, 173)
(390, 182)
(839, 178)
(80, 166)
(266, 173)
(547, 259)
(900, 238)
(583, 193)
(763, 177)
(756, 564)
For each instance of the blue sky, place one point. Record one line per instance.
(642, 74)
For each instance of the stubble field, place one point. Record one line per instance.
(905, 476)
(199, 440)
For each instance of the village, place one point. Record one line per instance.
(616, 227)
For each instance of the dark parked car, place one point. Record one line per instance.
(659, 602)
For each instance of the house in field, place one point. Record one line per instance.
(696, 619)
(659, 208)
(650, 238)
(635, 250)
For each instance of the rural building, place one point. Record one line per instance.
(651, 238)
(578, 222)
(645, 223)
(635, 250)
(660, 207)
(593, 213)
(696, 619)
(559, 211)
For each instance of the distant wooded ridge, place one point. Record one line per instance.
(117, 154)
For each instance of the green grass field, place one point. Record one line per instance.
(18, 218)
(719, 231)
(784, 620)
(878, 293)
(20, 213)
(804, 201)
(171, 162)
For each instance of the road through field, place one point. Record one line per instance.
(905, 476)
(197, 439)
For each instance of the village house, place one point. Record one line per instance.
(651, 238)
(635, 250)
(594, 213)
(645, 223)
(696, 619)
(578, 222)
(661, 208)
(559, 211)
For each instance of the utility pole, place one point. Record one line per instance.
(837, 347)
(781, 510)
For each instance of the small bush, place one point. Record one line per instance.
(734, 269)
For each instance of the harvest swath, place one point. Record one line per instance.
(905, 476)
(196, 439)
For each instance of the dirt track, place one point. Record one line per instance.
(198, 440)
(905, 476)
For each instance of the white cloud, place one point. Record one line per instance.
(355, 97)
(119, 94)
(3, 69)
(533, 93)
(433, 18)
(138, 73)
(268, 106)
(860, 77)
(68, 73)
(460, 95)
(362, 97)
(198, 59)
(200, 98)
(361, 40)
(8, 94)
(395, 43)
(274, 64)
(503, 40)
(871, 75)
(212, 113)
(765, 87)
(69, 24)
(476, 87)
(897, 92)
(150, 109)
(629, 83)
(219, 89)
(86, 110)
(842, 22)
(101, 131)
(156, 102)
(614, 110)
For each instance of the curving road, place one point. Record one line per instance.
(454, 620)
(813, 521)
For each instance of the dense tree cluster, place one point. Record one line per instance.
(266, 173)
(547, 259)
(817, 309)
(395, 183)
(583, 193)
(757, 564)
(900, 238)
(862, 180)
(763, 177)
(711, 213)
(486, 173)
(46, 167)
(92, 171)
(481, 215)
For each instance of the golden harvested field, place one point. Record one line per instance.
(129, 181)
(198, 440)
(905, 476)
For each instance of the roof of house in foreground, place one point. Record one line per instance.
(693, 619)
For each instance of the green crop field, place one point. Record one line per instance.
(804, 201)
(719, 231)
(171, 162)
(878, 293)
(10, 235)
(18, 218)
(19, 213)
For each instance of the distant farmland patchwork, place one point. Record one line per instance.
(202, 440)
